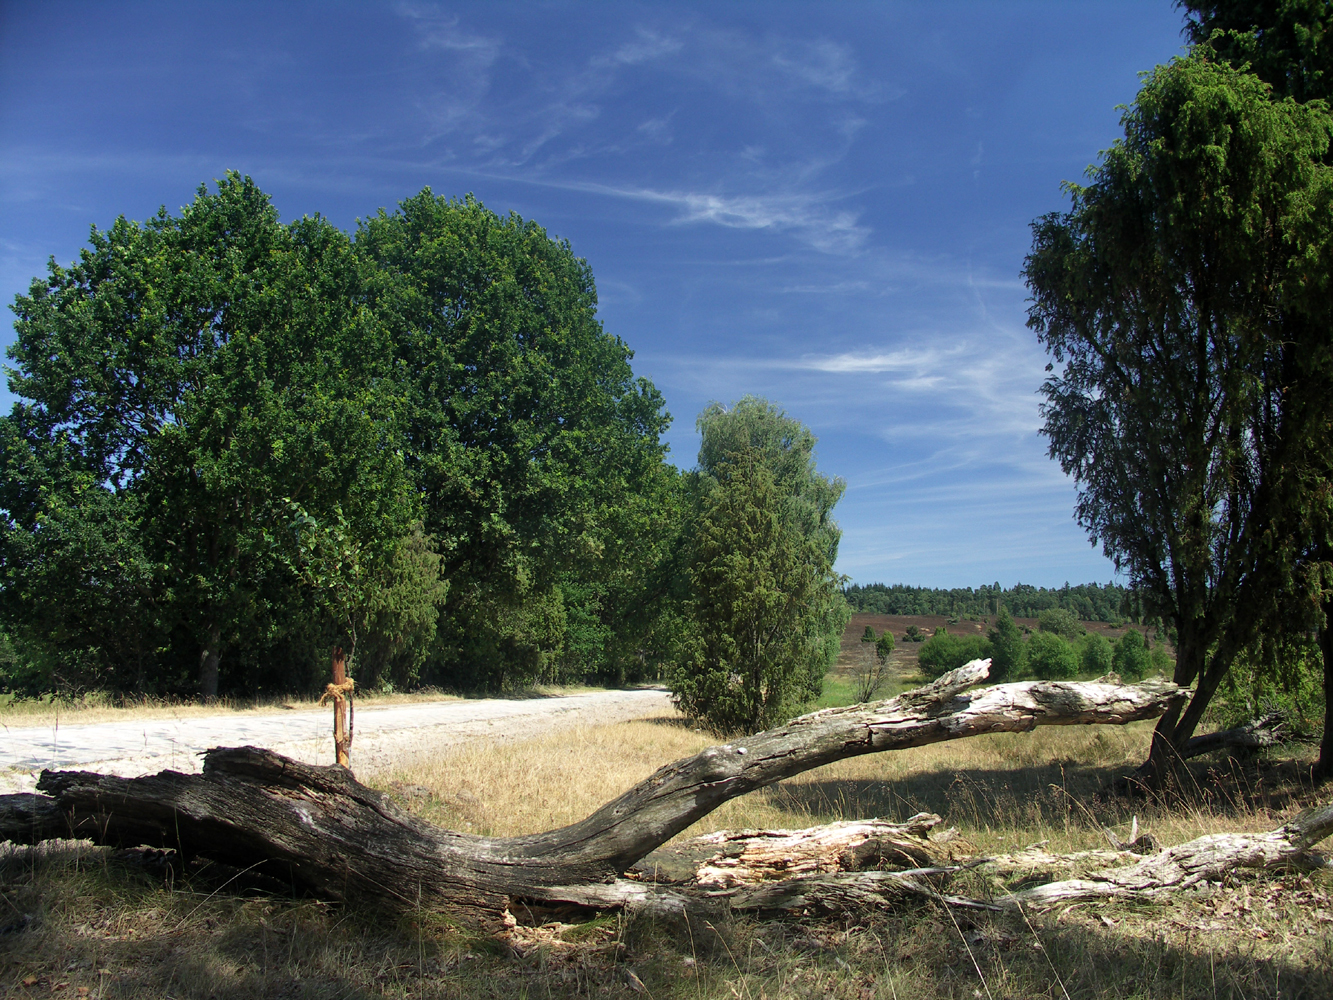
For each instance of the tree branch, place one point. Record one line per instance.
(320, 829)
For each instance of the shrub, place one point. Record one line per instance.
(1061, 622)
(1007, 649)
(1131, 660)
(943, 652)
(1160, 660)
(1097, 654)
(1051, 658)
(883, 647)
(913, 634)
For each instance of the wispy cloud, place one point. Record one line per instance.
(821, 63)
(649, 45)
(572, 121)
(907, 359)
(809, 216)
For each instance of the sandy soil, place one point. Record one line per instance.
(383, 736)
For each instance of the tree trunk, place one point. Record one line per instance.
(1206, 859)
(208, 665)
(1324, 769)
(1266, 731)
(1176, 728)
(319, 829)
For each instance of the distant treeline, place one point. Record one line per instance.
(1091, 602)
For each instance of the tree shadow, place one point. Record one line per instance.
(1059, 794)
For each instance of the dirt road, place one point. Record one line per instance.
(382, 735)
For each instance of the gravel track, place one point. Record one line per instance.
(383, 737)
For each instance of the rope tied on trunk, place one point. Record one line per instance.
(338, 691)
(341, 692)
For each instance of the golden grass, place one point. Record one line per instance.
(120, 932)
(1003, 791)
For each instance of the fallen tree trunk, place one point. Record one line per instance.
(320, 830)
(1206, 858)
(1268, 731)
(730, 858)
(843, 888)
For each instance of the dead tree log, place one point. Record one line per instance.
(319, 829)
(1268, 731)
(1207, 858)
(730, 858)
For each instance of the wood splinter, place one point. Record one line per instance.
(344, 713)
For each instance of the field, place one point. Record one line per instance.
(904, 653)
(80, 922)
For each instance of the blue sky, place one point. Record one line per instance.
(826, 204)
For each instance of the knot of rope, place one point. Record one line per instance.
(338, 692)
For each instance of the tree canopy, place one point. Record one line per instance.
(239, 440)
(765, 614)
(1173, 294)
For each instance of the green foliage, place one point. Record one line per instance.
(535, 449)
(884, 647)
(868, 635)
(913, 634)
(1283, 674)
(182, 376)
(1008, 651)
(1059, 621)
(1177, 295)
(1131, 659)
(1159, 660)
(1097, 655)
(240, 441)
(1285, 42)
(943, 652)
(1088, 602)
(1051, 658)
(765, 609)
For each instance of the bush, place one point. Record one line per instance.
(1097, 654)
(1160, 660)
(1007, 649)
(1061, 622)
(943, 652)
(1051, 658)
(883, 647)
(1131, 659)
(913, 634)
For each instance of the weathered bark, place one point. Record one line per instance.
(1204, 859)
(340, 692)
(1267, 731)
(1207, 858)
(1324, 769)
(319, 829)
(29, 819)
(743, 857)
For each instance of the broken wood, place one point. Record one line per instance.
(341, 693)
(1206, 859)
(318, 829)
(1268, 731)
(731, 858)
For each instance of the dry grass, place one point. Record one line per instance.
(119, 931)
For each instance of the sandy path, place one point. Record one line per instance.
(383, 736)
